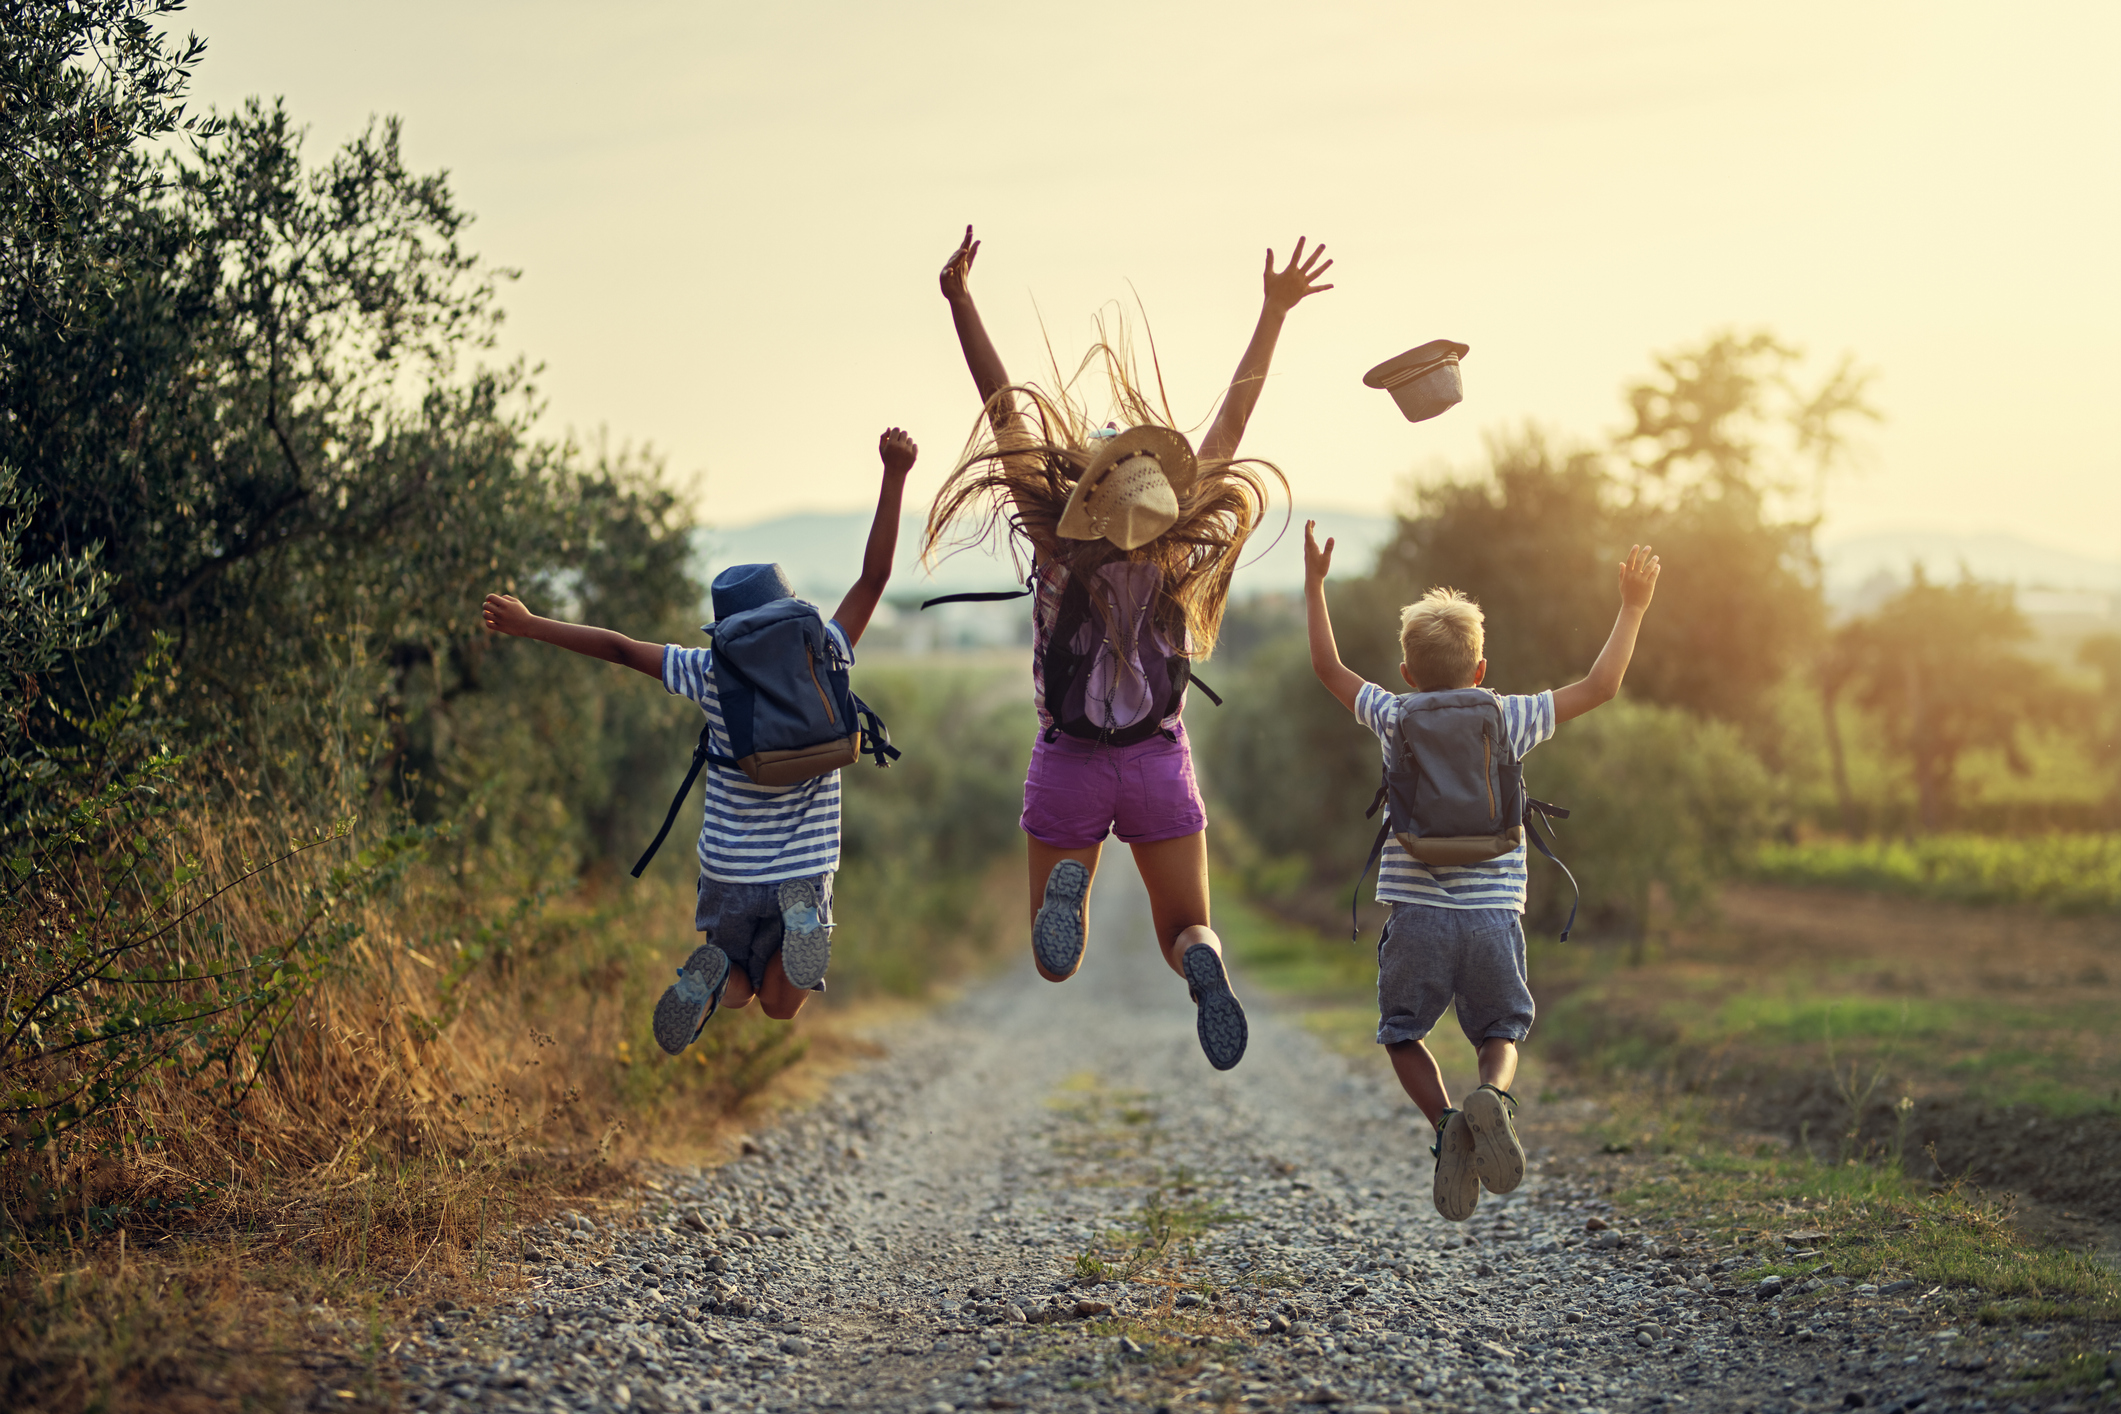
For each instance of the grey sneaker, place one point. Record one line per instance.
(1498, 1156)
(682, 1013)
(1057, 932)
(806, 938)
(1218, 1020)
(1457, 1181)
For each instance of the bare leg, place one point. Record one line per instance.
(1176, 875)
(736, 995)
(1498, 1062)
(1420, 1077)
(1043, 857)
(781, 998)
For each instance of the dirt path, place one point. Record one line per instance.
(924, 1239)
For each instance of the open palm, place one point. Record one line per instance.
(1299, 279)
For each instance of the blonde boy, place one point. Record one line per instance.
(1457, 930)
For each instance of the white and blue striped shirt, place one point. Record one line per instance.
(756, 834)
(1492, 883)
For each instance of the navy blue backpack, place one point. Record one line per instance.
(786, 705)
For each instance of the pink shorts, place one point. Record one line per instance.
(1078, 791)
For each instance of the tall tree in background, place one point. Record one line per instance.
(1941, 666)
(1724, 462)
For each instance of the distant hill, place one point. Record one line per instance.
(822, 553)
(1864, 570)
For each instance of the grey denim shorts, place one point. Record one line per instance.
(1429, 955)
(744, 921)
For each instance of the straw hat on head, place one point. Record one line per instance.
(1129, 492)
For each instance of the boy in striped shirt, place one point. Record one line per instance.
(1457, 930)
(767, 853)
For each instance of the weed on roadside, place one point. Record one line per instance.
(1792, 1216)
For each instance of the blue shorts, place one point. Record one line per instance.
(1429, 955)
(744, 921)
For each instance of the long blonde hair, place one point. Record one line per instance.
(1011, 487)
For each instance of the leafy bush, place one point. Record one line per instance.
(922, 839)
(2063, 873)
(1659, 797)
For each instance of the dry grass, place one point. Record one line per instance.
(468, 1062)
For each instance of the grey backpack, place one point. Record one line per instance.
(1453, 789)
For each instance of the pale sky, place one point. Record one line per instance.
(729, 217)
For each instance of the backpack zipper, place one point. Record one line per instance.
(830, 715)
(1487, 766)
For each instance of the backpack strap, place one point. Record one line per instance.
(1377, 850)
(1213, 695)
(990, 596)
(1533, 810)
(701, 755)
(876, 737)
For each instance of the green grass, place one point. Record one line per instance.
(2063, 873)
(1702, 1015)
(1659, 1043)
(1881, 1227)
(1289, 959)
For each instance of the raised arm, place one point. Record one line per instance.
(988, 375)
(504, 613)
(898, 452)
(1340, 679)
(1638, 582)
(1283, 289)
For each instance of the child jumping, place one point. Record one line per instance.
(1457, 930)
(1133, 540)
(767, 853)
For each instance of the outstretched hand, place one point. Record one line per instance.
(898, 451)
(1286, 287)
(1638, 577)
(504, 613)
(1317, 560)
(959, 268)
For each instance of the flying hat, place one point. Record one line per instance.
(742, 587)
(1129, 492)
(1423, 381)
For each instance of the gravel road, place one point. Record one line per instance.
(929, 1237)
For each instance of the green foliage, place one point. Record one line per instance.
(1289, 761)
(1660, 797)
(1942, 670)
(47, 609)
(2062, 873)
(921, 838)
(261, 431)
(88, 86)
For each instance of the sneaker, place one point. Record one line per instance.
(1219, 1020)
(682, 1013)
(806, 938)
(1497, 1154)
(1057, 932)
(1457, 1181)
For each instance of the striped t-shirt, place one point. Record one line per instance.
(757, 834)
(1492, 883)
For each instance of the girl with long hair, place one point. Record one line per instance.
(1133, 539)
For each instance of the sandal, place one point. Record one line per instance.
(1457, 1181)
(682, 1013)
(1498, 1156)
(1219, 1020)
(1057, 932)
(806, 938)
